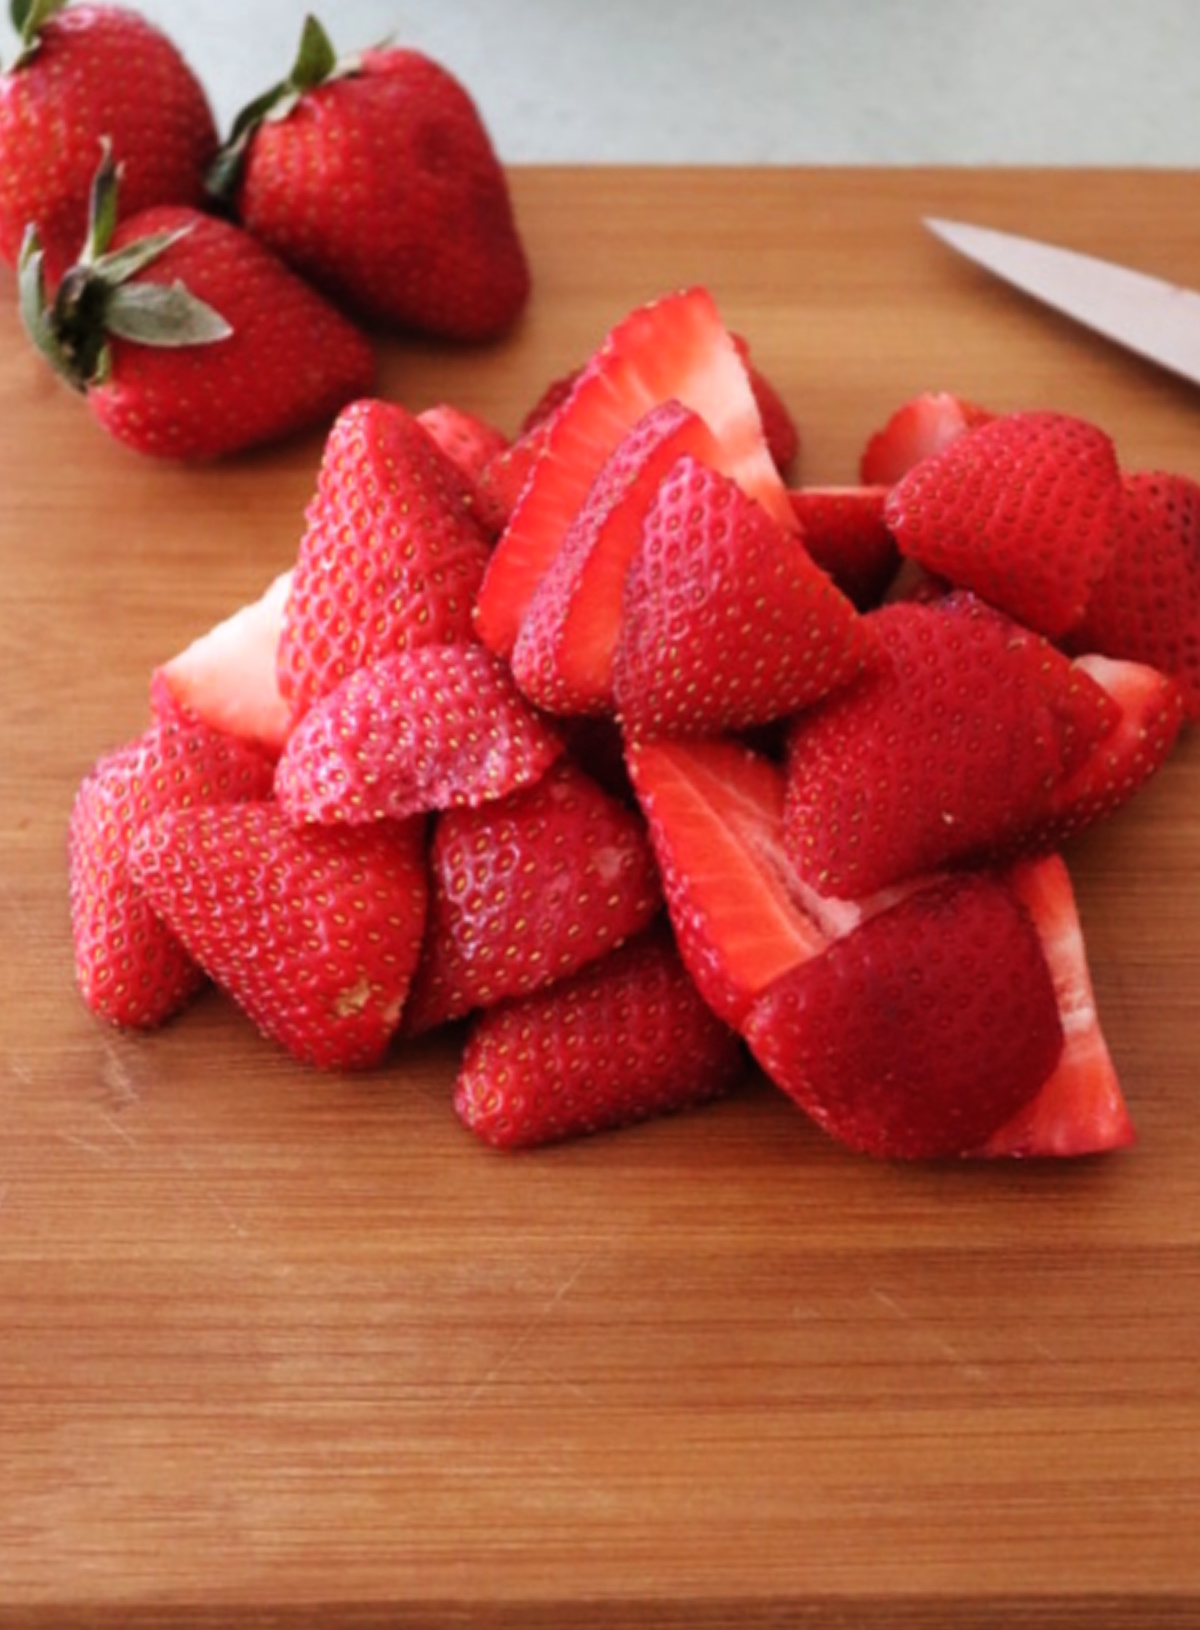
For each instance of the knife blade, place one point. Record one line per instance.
(1149, 316)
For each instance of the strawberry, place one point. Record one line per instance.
(189, 339)
(315, 933)
(563, 656)
(434, 728)
(626, 1038)
(726, 621)
(1025, 511)
(1080, 1109)
(226, 677)
(1146, 607)
(918, 428)
(87, 74)
(948, 749)
(375, 178)
(527, 889)
(468, 441)
(673, 348)
(917, 1035)
(391, 556)
(779, 426)
(1150, 714)
(714, 809)
(131, 969)
(503, 478)
(845, 531)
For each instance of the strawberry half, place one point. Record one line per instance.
(526, 890)
(676, 348)
(845, 531)
(227, 675)
(626, 1038)
(563, 657)
(314, 932)
(434, 728)
(1149, 716)
(947, 750)
(1080, 1109)
(391, 555)
(715, 814)
(917, 429)
(1146, 607)
(1025, 511)
(917, 1035)
(130, 967)
(726, 620)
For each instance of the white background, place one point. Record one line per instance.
(1092, 82)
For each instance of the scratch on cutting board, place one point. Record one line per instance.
(118, 1078)
(214, 1199)
(966, 1367)
(525, 1336)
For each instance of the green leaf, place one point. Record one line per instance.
(316, 59)
(31, 291)
(102, 205)
(119, 265)
(163, 314)
(29, 17)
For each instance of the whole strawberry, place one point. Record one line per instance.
(376, 178)
(87, 73)
(189, 338)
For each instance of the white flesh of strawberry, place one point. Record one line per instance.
(227, 677)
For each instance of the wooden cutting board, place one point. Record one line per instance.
(285, 1349)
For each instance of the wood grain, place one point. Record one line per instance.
(291, 1350)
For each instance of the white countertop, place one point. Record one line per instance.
(1088, 82)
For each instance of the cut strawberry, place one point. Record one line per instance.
(626, 1038)
(919, 1034)
(563, 657)
(779, 427)
(130, 968)
(468, 441)
(918, 428)
(1080, 1110)
(1025, 511)
(227, 676)
(715, 813)
(314, 932)
(504, 478)
(1146, 607)
(391, 555)
(1150, 714)
(947, 750)
(675, 348)
(433, 728)
(846, 533)
(726, 620)
(526, 890)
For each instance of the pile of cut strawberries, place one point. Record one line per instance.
(630, 763)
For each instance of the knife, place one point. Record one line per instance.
(1155, 319)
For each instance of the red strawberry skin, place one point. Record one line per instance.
(563, 657)
(845, 531)
(917, 429)
(130, 968)
(947, 750)
(436, 728)
(290, 364)
(391, 556)
(314, 933)
(715, 812)
(624, 1039)
(97, 71)
(726, 620)
(924, 1030)
(384, 189)
(528, 889)
(1146, 607)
